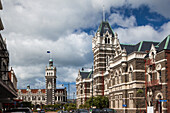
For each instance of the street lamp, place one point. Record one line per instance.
(92, 80)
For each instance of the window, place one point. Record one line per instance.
(130, 75)
(116, 101)
(120, 79)
(130, 100)
(151, 77)
(106, 40)
(49, 85)
(160, 77)
(120, 101)
(115, 80)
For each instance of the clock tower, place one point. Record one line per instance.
(50, 76)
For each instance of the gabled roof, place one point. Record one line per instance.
(104, 27)
(141, 46)
(165, 44)
(85, 74)
(56, 90)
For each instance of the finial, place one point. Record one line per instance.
(103, 14)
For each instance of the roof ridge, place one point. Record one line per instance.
(128, 44)
(167, 42)
(89, 74)
(140, 46)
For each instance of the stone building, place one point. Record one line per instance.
(7, 88)
(133, 75)
(83, 86)
(48, 96)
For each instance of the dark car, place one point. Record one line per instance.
(81, 111)
(94, 110)
(19, 110)
(108, 110)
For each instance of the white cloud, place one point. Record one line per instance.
(121, 20)
(136, 34)
(33, 27)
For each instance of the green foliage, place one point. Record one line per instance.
(140, 91)
(69, 106)
(99, 102)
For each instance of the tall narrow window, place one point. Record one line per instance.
(130, 100)
(115, 80)
(151, 77)
(130, 75)
(106, 40)
(116, 101)
(120, 101)
(160, 77)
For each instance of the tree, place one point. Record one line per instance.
(98, 101)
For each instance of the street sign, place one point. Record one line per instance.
(124, 105)
(162, 100)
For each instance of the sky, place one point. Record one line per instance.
(66, 28)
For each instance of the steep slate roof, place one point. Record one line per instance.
(141, 46)
(105, 26)
(57, 90)
(85, 74)
(32, 90)
(165, 44)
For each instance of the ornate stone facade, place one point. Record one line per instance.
(7, 84)
(120, 72)
(48, 96)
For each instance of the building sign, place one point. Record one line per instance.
(162, 100)
(150, 109)
(124, 105)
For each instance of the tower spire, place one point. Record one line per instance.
(103, 14)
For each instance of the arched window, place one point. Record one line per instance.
(106, 40)
(49, 85)
(130, 75)
(120, 76)
(115, 80)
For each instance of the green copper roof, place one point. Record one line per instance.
(167, 42)
(140, 45)
(89, 74)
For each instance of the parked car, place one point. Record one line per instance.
(108, 110)
(94, 110)
(81, 111)
(41, 111)
(19, 110)
(61, 111)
